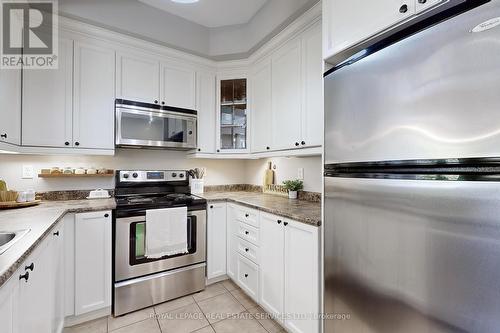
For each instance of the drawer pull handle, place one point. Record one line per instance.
(246, 232)
(246, 215)
(246, 250)
(279, 221)
(246, 275)
(56, 233)
(403, 9)
(25, 276)
(285, 223)
(30, 267)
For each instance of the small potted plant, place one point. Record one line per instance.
(293, 186)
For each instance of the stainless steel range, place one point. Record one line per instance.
(140, 282)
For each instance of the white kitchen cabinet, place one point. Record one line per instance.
(312, 88)
(301, 276)
(261, 106)
(94, 95)
(216, 240)
(92, 261)
(286, 96)
(348, 22)
(178, 86)
(206, 107)
(36, 291)
(272, 278)
(9, 315)
(232, 240)
(248, 276)
(58, 276)
(138, 77)
(10, 106)
(47, 102)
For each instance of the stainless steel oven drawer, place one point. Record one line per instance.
(146, 291)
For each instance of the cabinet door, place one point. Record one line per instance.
(57, 253)
(272, 266)
(348, 22)
(48, 101)
(312, 88)
(286, 99)
(138, 78)
(206, 106)
(178, 86)
(94, 96)
(10, 106)
(36, 294)
(216, 240)
(8, 305)
(261, 107)
(92, 261)
(301, 276)
(232, 251)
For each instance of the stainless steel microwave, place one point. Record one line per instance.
(143, 125)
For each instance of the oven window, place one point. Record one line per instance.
(138, 242)
(152, 127)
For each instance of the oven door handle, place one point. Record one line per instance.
(134, 219)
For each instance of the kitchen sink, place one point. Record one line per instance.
(8, 238)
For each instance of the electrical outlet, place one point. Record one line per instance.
(300, 174)
(28, 172)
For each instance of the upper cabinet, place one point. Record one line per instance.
(47, 102)
(287, 95)
(138, 78)
(94, 89)
(10, 106)
(205, 106)
(144, 78)
(178, 86)
(233, 120)
(347, 23)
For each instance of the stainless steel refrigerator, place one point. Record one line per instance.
(412, 181)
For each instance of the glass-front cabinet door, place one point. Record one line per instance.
(233, 116)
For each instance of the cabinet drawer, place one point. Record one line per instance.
(248, 250)
(247, 215)
(248, 233)
(248, 276)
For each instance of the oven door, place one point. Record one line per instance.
(161, 129)
(130, 235)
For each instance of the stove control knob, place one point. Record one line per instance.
(181, 175)
(174, 175)
(135, 175)
(125, 175)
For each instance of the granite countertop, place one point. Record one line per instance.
(40, 219)
(299, 210)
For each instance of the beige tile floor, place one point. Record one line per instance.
(220, 308)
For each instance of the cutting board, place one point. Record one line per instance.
(13, 204)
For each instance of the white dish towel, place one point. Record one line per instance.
(166, 232)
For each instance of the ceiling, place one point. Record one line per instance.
(211, 13)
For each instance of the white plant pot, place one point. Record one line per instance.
(292, 194)
(197, 186)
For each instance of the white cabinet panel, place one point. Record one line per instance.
(248, 277)
(286, 96)
(58, 276)
(216, 240)
(312, 88)
(10, 106)
(261, 107)
(348, 22)
(94, 96)
(301, 276)
(47, 102)
(178, 86)
(232, 239)
(206, 106)
(92, 261)
(8, 305)
(36, 300)
(138, 78)
(272, 265)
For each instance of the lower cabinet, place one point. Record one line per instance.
(93, 261)
(216, 244)
(279, 268)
